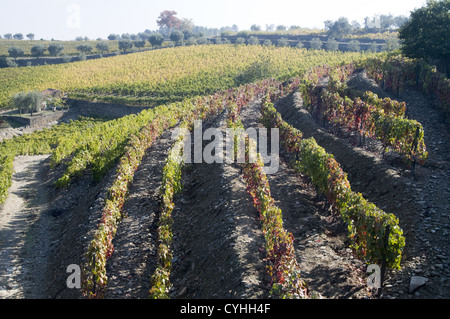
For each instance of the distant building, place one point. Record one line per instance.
(49, 95)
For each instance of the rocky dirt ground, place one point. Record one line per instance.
(218, 246)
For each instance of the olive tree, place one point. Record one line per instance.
(15, 52)
(156, 39)
(28, 102)
(55, 49)
(38, 50)
(316, 44)
(102, 47)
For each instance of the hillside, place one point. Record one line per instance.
(361, 178)
(175, 72)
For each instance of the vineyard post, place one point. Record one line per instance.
(383, 263)
(94, 280)
(413, 150)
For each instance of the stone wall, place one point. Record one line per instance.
(38, 120)
(104, 110)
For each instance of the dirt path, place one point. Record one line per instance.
(218, 243)
(134, 259)
(26, 201)
(430, 252)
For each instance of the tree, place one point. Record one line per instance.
(139, 44)
(267, 43)
(373, 47)
(18, 36)
(281, 28)
(30, 36)
(85, 48)
(253, 41)
(168, 19)
(177, 36)
(191, 41)
(392, 44)
(102, 47)
(354, 45)
(8, 36)
(202, 40)
(38, 50)
(283, 42)
(31, 101)
(156, 39)
(316, 44)
(328, 24)
(15, 52)
(55, 49)
(426, 35)
(113, 37)
(386, 21)
(255, 27)
(340, 28)
(240, 41)
(332, 45)
(356, 25)
(187, 25)
(125, 44)
(399, 21)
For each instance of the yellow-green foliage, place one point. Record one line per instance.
(181, 71)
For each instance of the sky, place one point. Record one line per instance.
(67, 19)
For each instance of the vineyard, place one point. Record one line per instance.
(70, 47)
(142, 222)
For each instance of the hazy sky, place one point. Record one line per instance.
(67, 19)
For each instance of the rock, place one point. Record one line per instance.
(417, 282)
(182, 292)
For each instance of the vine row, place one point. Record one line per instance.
(366, 222)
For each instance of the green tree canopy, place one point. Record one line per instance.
(55, 49)
(332, 45)
(85, 48)
(177, 36)
(156, 39)
(339, 28)
(102, 47)
(426, 35)
(15, 52)
(31, 101)
(316, 44)
(38, 50)
(125, 44)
